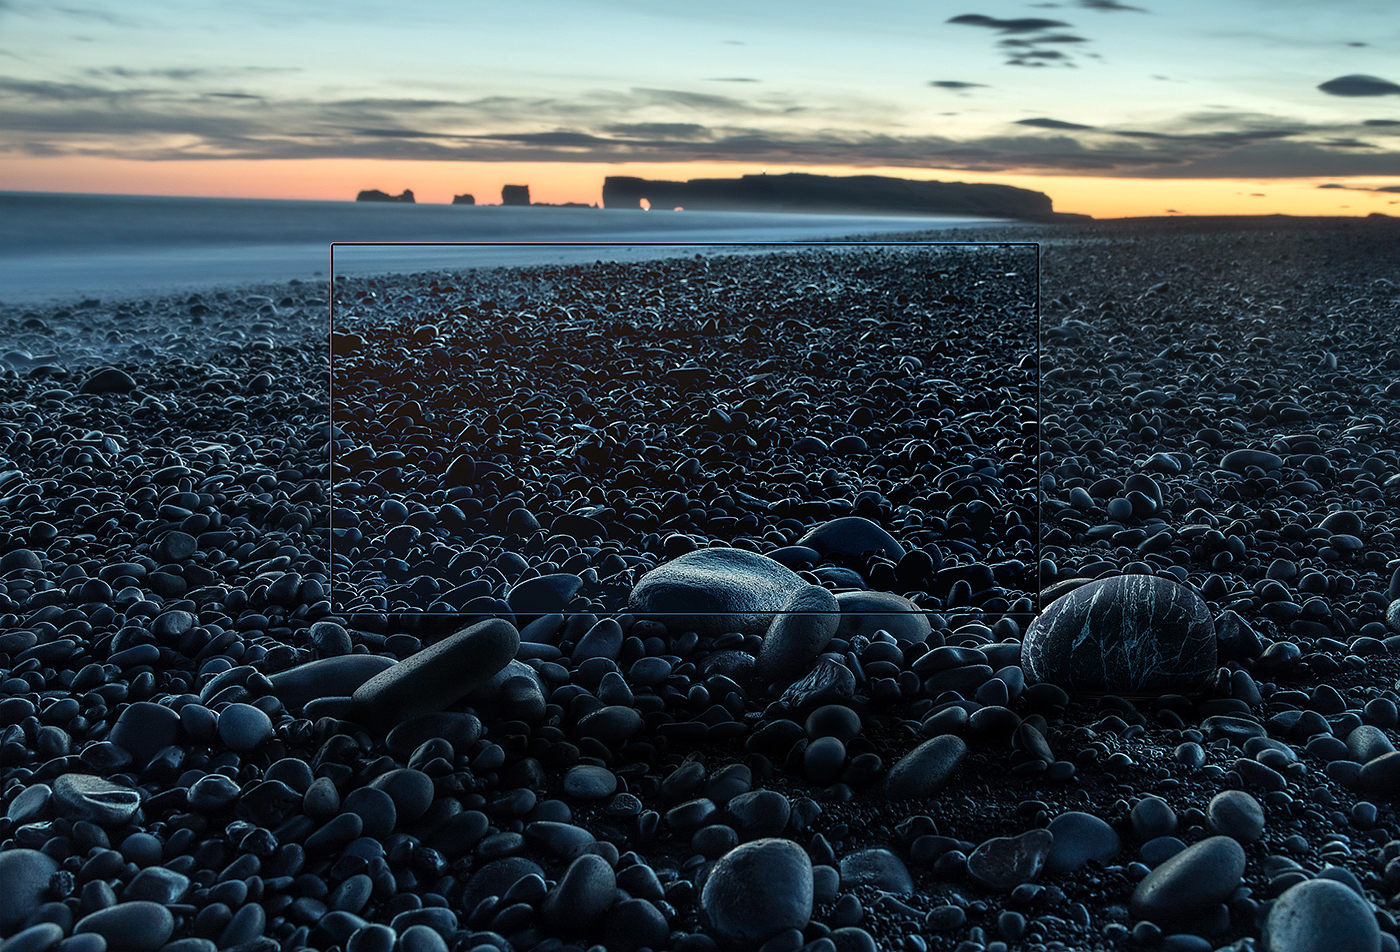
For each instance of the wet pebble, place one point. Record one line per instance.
(756, 891)
(137, 926)
(713, 591)
(84, 797)
(1236, 814)
(1190, 883)
(1321, 916)
(1005, 862)
(1079, 838)
(920, 773)
(438, 675)
(876, 867)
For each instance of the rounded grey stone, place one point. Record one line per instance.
(1190, 883)
(138, 926)
(590, 782)
(244, 727)
(39, 937)
(1236, 814)
(1079, 838)
(1321, 915)
(798, 635)
(143, 729)
(544, 594)
(583, 895)
(756, 891)
(24, 880)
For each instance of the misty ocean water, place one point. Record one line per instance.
(56, 247)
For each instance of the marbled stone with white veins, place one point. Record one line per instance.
(1132, 635)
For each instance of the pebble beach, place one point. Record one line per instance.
(942, 597)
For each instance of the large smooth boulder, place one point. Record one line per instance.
(713, 591)
(1129, 635)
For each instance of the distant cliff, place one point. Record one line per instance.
(375, 195)
(801, 192)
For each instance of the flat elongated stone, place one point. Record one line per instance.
(879, 868)
(920, 773)
(137, 926)
(1130, 635)
(433, 678)
(327, 677)
(1239, 461)
(714, 591)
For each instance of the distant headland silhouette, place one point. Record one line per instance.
(796, 192)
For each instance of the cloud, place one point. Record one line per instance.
(1385, 189)
(652, 130)
(174, 119)
(1359, 85)
(1042, 123)
(1381, 122)
(955, 84)
(1022, 39)
(732, 79)
(690, 100)
(185, 74)
(1109, 6)
(80, 13)
(1018, 25)
(50, 91)
(1036, 58)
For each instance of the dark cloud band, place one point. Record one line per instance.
(1359, 85)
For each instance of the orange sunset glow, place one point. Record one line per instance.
(559, 182)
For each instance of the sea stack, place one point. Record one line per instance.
(375, 195)
(515, 194)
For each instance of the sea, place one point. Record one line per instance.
(58, 247)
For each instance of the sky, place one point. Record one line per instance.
(1111, 107)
